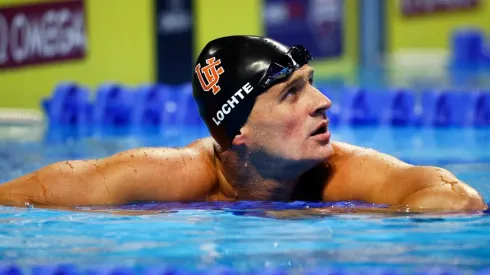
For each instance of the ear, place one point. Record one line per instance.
(242, 138)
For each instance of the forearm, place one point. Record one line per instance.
(63, 183)
(147, 174)
(21, 191)
(434, 198)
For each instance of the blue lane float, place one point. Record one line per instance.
(235, 206)
(161, 107)
(68, 112)
(68, 106)
(64, 269)
(439, 108)
(482, 109)
(362, 107)
(468, 109)
(401, 108)
(113, 107)
(179, 107)
(149, 102)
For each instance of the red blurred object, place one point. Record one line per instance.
(42, 33)
(296, 9)
(421, 7)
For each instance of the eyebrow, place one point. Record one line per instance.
(296, 78)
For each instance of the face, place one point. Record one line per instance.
(289, 120)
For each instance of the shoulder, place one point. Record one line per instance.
(345, 153)
(201, 150)
(342, 149)
(365, 164)
(357, 172)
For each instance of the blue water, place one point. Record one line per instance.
(253, 236)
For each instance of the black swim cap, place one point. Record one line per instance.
(232, 71)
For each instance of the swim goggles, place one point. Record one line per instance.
(280, 69)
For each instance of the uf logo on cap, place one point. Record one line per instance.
(211, 72)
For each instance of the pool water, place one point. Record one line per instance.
(251, 236)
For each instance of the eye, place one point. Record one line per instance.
(292, 91)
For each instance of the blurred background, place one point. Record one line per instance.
(375, 44)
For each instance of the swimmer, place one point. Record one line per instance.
(270, 140)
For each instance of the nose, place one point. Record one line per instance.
(320, 103)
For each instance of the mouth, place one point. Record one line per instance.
(321, 133)
(321, 129)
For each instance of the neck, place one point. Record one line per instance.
(258, 176)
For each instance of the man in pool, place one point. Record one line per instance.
(270, 141)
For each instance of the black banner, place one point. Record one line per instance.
(174, 30)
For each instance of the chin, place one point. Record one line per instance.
(325, 151)
(329, 150)
(320, 153)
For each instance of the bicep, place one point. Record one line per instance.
(379, 178)
(163, 174)
(440, 189)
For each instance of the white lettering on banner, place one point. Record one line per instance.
(77, 35)
(175, 21)
(50, 31)
(36, 40)
(46, 38)
(18, 38)
(64, 43)
(42, 35)
(3, 39)
(231, 103)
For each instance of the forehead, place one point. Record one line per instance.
(304, 71)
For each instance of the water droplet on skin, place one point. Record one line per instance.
(69, 164)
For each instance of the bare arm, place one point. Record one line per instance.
(442, 191)
(163, 174)
(368, 175)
